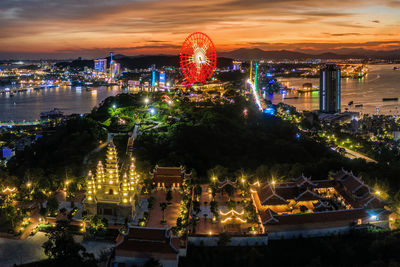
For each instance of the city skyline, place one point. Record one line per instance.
(67, 29)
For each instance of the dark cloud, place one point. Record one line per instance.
(345, 34)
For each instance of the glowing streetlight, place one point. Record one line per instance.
(114, 106)
(146, 100)
(152, 111)
(28, 184)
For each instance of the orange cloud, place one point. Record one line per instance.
(90, 28)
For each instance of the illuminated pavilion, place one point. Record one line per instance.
(108, 194)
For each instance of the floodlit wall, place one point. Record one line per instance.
(309, 233)
(212, 241)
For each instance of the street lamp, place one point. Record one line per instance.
(146, 100)
(152, 111)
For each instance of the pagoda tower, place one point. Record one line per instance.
(112, 173)
(133, 177)
(91, 187)
(100, 178)
(125, 190)
(109, 196)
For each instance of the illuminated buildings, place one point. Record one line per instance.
(169, 176)
(305, 207)
(115, 69)
(108, 194)
(237, 65)
(329, 89)
(100, 65)
(161, 78)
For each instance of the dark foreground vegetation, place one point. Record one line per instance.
(356, 249)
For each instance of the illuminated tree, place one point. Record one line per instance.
(61, 247)
(52, 205)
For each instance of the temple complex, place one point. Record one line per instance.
(108, 194)
(318, 207)
(172, 177)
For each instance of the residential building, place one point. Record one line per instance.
(329, 89)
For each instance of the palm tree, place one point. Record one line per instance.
(163, 207)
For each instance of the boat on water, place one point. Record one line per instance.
(350, 103)
(396, 68)
(359, 106)
(52, 114)
(390, 99)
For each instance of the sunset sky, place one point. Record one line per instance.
(91, 28)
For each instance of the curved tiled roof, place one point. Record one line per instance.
(321, 217)
(145, 240)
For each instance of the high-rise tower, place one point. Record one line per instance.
(329, 89)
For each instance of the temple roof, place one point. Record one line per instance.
(147, 241)
(268, 196)
(320, 217)
(267, 216)
(227, 182)
(168, 171)
(307, 195)
(304, 181)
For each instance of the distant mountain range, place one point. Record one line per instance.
(256, 53)
(143, 61)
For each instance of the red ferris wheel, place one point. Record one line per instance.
(198, 58)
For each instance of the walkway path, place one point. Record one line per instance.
(354, 154)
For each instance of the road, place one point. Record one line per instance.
(22, 251)
(14, 251)
(354, 154)
(34, 219)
